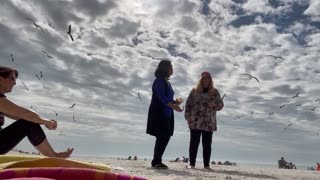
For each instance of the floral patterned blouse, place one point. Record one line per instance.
(201, 110)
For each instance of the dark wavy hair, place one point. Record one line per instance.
(163, 69)
(6, 71)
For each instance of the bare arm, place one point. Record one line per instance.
(17, 112)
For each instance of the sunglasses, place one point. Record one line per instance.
(12, 78)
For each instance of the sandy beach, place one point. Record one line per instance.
(178, 171)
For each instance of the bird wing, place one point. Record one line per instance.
(41, 28)
(69, 32)
(71, 37)
(256, 79)
(25, 86)
(30, 20)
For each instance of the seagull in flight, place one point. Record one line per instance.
(35, 24)
(252, 77)
(238, 117)
(314, 108)
(223, 96)
(285, 129)
(276, 57)
(298, 105)
(49, 56)
(38, 77)
(12, 59)
(139, 96)
(271, 113)
(55, 112)
(297, 95)
(282, 106)
(72, 106)
(69, 32)
(317, 100)
(25, 86)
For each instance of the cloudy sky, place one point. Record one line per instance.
(117, 46)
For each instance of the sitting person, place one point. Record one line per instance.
(27, 123)
(282, 164)
(318, 166)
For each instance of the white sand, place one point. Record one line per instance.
(178, 171)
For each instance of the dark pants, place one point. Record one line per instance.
(159, 148)
(206, 146)
(15, 132)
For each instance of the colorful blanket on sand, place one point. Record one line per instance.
(56, 173)
(7, 162)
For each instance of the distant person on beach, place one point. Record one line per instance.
(283, 164)
(27, 123)
(160, 117)
(201, 107)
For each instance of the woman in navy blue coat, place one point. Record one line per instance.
(160, 117)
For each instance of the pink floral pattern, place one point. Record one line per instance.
(201, 110)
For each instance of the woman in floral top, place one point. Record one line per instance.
(201, 107)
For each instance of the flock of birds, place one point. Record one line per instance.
(281, 106)
(40, 77)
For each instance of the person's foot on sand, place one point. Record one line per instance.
(160, 166)
(208, 168)
(65, 154)
(190, 167)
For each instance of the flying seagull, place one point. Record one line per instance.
(55, 112)
(276, 57)
(49, 56)
(69, 32)
(314, 108)
(252, 77)
(285, 129)
(282, 106)
(35, 24)
(25, 86)
(297, 95)
(139, 96)
(223, 96)
(12, 59)
(72, 106)
(238, 117)
(38, 76)
(317, 100)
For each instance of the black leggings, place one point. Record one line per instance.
(159, 148)
(15, 132)
(194, 144)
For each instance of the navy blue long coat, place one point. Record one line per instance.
(160, 116)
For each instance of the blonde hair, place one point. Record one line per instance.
(199, 89)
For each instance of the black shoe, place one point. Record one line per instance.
(160, 166)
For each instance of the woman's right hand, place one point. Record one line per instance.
(51, 124)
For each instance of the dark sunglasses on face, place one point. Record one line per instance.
(12, 78)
